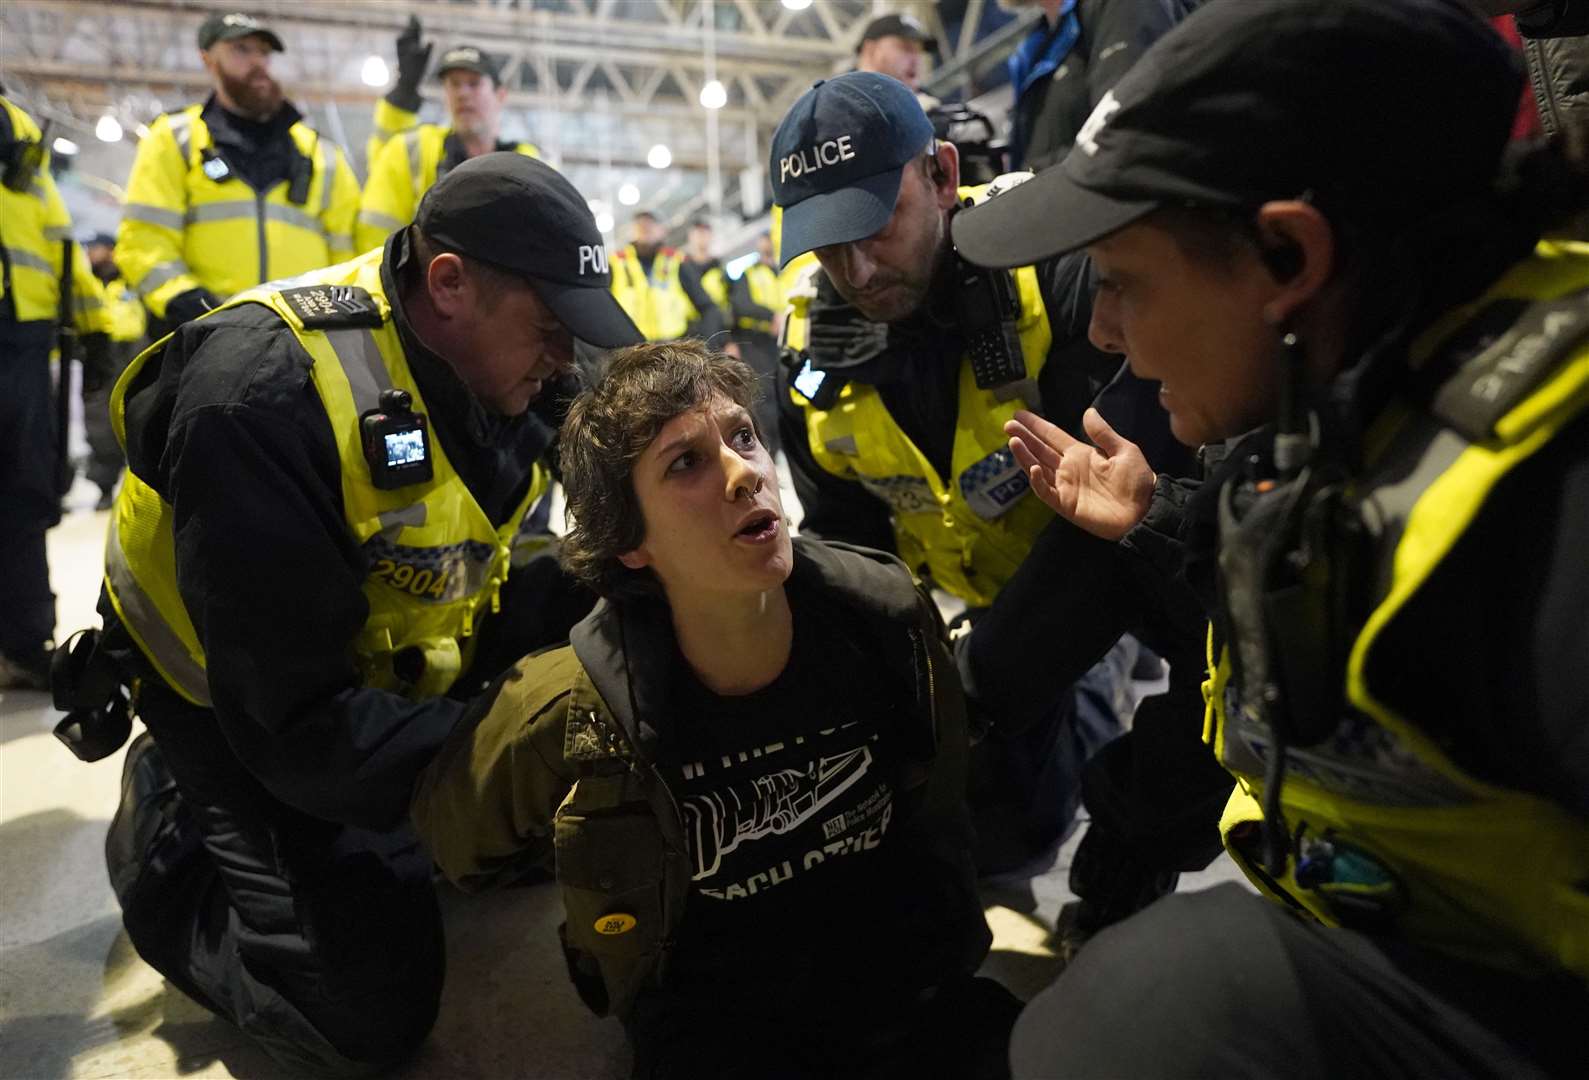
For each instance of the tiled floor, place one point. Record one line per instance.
(75, 1000)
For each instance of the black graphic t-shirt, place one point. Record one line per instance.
(805, 901)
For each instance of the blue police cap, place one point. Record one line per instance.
(838, 156)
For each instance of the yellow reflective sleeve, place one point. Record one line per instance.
(389, 201)
(149, 242)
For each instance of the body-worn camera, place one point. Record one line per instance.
(820, 388)
(989, 315)
(396, 442)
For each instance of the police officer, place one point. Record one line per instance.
(905, 368)
(406, 164)
(756, 307)
(1376, 310)
(128, 322)
(304, 571)
(233, 192)
(704, 283)
(35, 235)
(647, 281)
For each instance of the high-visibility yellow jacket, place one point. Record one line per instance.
(34, 230)
(765, 290)
(181, 230)
(968, 531)
(657, 303)
(400, 174)
(435, 560)
(1384, 828)
(789, 278)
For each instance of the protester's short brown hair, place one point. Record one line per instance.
(608, 428)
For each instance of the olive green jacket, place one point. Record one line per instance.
(561, 760)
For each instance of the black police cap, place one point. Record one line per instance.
(470, 58)
(899, 25)
(231, 25)
(522, 215)
(1385, 110)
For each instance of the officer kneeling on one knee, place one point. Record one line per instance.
(903, 365)
(1376, 323)
(304, 573)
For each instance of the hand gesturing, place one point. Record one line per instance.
(1104, 488)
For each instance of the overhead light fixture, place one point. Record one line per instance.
(604, 222)
(713, 95)
(660, 157)
(796, 5)
(629, 194)
(108, 129)
(65, 147)
(375, 72)
(142, 131)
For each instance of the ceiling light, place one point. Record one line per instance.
(660, 157)
(375, 72)
(796, 5)
(713, 96)
(604, 222)
(629, 194)
(65, 147)
(108, 129)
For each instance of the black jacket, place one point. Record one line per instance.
(1047, 117)
(226, 425)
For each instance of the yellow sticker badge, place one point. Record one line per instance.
(618, 923)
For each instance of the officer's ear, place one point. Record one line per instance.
(1296, 244)
(943, 170)
(447, 282)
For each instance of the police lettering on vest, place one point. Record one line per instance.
(815, 157)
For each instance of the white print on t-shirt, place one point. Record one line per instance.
(719, 821)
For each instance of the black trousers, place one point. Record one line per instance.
(29, 504)
(1225, 983)
(105, 460)
(320, 941)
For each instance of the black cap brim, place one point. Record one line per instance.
(1048, 215)
(853, 212)
(592, 315)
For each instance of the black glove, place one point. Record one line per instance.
(190, 305)
(413, 57)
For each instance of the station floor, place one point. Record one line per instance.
(76, 1001)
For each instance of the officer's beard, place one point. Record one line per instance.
(105, 270)
(256, 99)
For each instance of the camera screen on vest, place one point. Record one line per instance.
(405, 447)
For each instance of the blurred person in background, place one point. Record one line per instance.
(235, 191)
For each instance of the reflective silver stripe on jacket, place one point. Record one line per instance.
(327, 156)
(182, 131)
(248, 210)
(154, 633)
(414, 162)
(153, 215)
(160, 274)
(31, 261)
(377, 220)
(361, 362)
(57, 233)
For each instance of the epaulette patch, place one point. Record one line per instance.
(587, 738)
(1511, 364)
(327, 307)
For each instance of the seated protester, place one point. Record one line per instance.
(750, 761)
(1377, 323)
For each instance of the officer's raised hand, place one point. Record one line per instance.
(413, 57)
(1104, 488)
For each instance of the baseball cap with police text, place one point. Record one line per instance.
(1389, 109)
(231, 25)
(523, 216)
(838, 155)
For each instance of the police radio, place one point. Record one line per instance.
(989, 316)
(396, 442)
